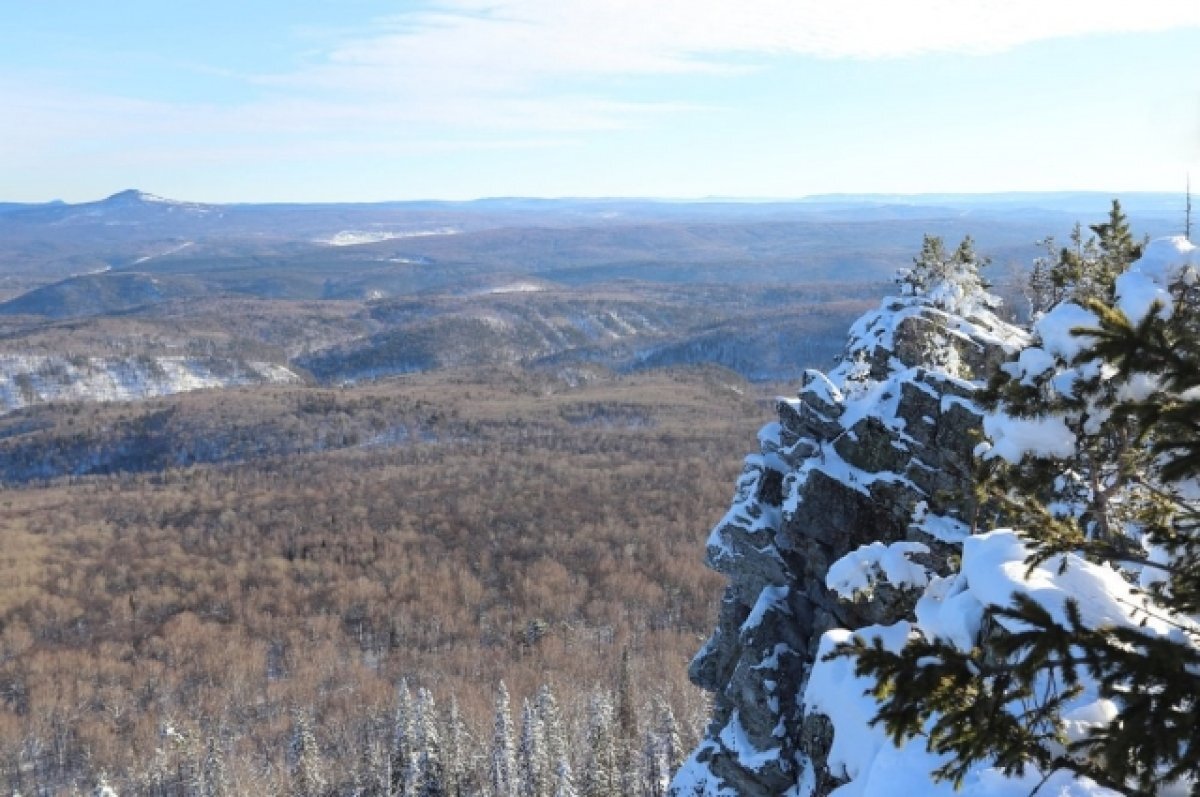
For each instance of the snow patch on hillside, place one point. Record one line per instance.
(169, 251)
(359, 237)
(36, 379)
(160, 200)
(516, 287)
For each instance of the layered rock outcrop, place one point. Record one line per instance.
(878, 450)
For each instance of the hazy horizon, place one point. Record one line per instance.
(918, 197)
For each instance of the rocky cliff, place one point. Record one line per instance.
(876, 452)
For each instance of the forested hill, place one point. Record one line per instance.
(481, 576)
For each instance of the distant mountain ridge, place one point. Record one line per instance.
(100, 293)
(128, 206)
(384, 247)
(503, 211)
(1043, 198)
(761, 287)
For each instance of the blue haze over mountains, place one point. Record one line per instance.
(763, 287)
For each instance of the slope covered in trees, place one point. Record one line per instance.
(331, 604)
(452, 530)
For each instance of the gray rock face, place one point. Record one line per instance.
(875, 451)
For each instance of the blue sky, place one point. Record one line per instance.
(344, 100)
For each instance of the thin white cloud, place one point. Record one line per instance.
(521, 73)
(548, 64)
(56, 119)
(506, 44)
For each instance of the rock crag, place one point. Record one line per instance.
(877, 451)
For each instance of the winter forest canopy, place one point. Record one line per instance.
(964, 558)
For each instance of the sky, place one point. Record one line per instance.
(367, 100)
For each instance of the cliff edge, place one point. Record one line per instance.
(876, 453)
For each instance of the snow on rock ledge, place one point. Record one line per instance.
(874, 454)
(863, 469)
(993, 569)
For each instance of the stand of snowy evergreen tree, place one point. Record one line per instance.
(1087, 677)
(619, 748)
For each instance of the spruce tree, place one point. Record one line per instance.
(103, 789)
(951, 281)
(212, 777)
(1098, 487)
(668, 735)
(1042, 291)
(564, 785)
(627, 740)
(455, 753)
(600, 777)
(656, 774)
(1117, 245)
(1075, 274)
(1087, 269)
(929, 267)
(402, 738)
(503, 761)
(308, 770)
(1002, 701)
(662, 750)
(557, 748)
(532, 769)
(426, 777)
(373, 770)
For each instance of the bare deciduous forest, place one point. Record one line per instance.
(446, 531)
(493, 460)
